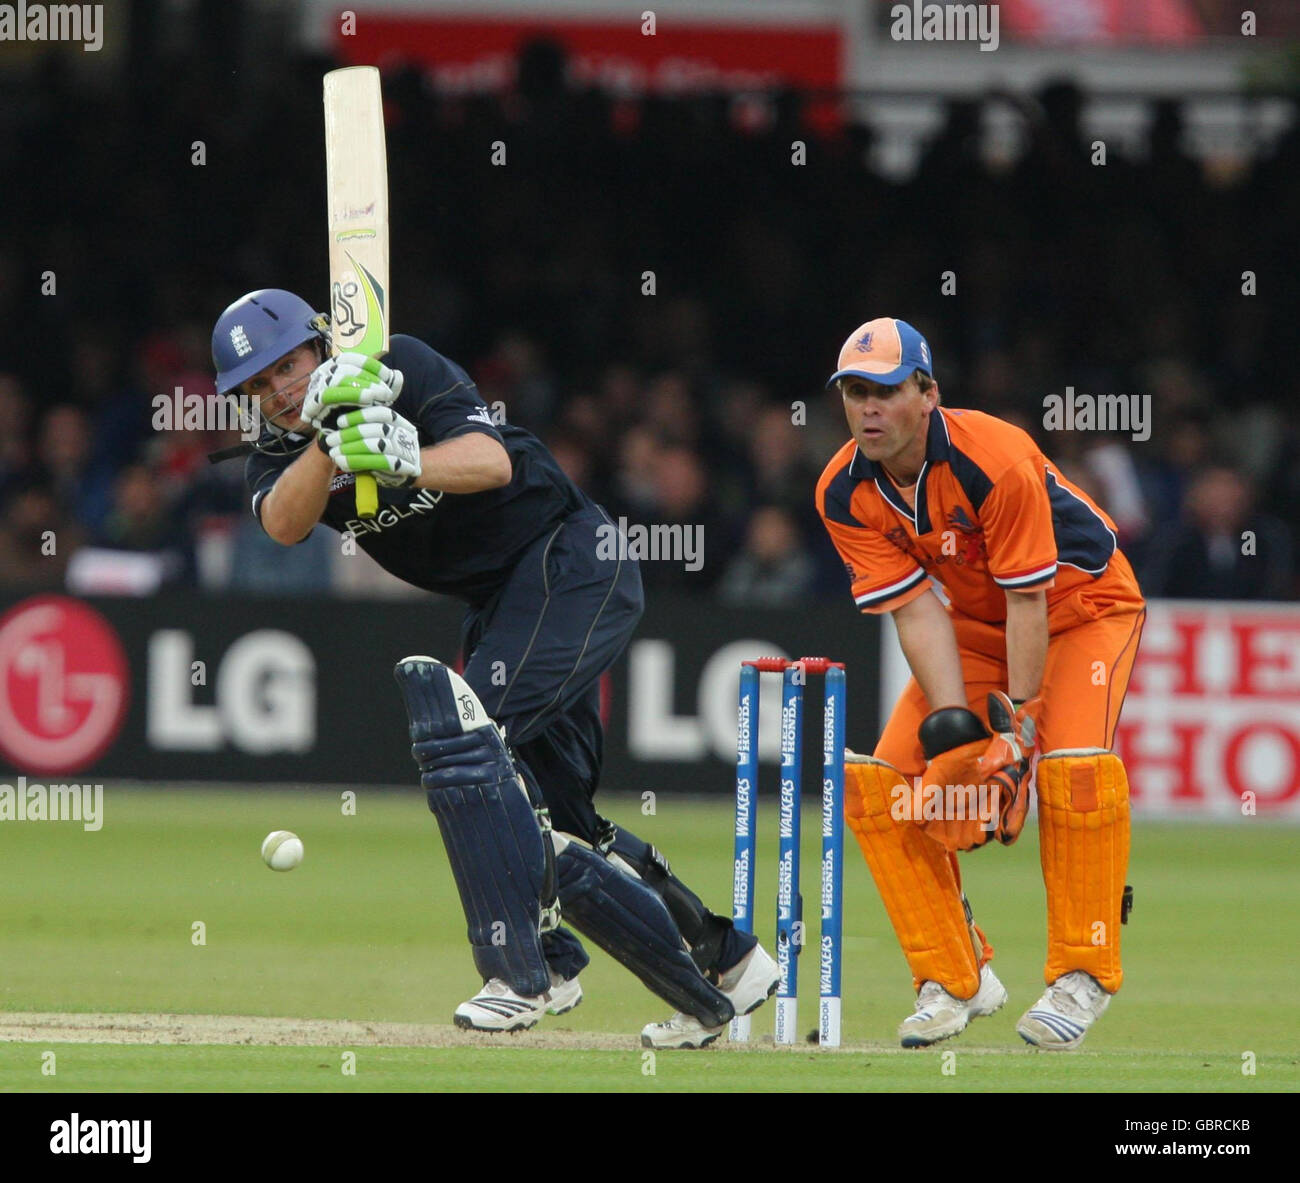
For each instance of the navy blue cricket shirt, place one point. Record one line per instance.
(463, 545)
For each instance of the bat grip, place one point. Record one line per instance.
(367, 490)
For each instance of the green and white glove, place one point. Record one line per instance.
(376, 440)
(349, 380)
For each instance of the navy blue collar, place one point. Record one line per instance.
(938, 447)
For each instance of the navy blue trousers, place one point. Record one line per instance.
(534, 655)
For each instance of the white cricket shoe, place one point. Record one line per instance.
(939, 1015)
(565, 994)
(681, 1031)
(498, 1008)
(751, 981)
(1060, 1019)
(748, 984)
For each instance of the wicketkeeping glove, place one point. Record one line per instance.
(952, 739)
(376, 440)
(349, 380)
(1008, 757)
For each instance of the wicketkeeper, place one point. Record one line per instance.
(510, 751)
(1020, 619)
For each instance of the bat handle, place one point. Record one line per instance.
(367, 490)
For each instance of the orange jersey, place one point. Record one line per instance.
(989, 513)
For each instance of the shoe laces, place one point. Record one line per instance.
(1077, 997)
(930, 993)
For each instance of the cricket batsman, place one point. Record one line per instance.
(509, 752)
(1020, 619)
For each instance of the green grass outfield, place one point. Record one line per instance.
(368, 931)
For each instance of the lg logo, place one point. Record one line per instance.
(265, 695)
(64, 685)
(656, 733)
(65, 682)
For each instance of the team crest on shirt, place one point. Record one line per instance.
(970, 540)
(901, 539)
(962, 543)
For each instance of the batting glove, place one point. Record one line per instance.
(349, 380)
(376, 440)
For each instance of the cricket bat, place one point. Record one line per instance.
(356, 182)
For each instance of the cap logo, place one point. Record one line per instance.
(239, 339)
(864, 342)
(925, 353)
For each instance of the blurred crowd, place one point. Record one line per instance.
(659, 291)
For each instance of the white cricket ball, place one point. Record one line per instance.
(282, 850)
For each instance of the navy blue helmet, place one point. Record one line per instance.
(257, 330)
(261, 328)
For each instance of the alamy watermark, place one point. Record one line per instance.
(52, 803)
(1098, 412)
(928, 803)
(659, 543)
(89, 1135)
(179, 411)
(54, 22)
(922, 21)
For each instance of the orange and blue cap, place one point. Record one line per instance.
(883, 350)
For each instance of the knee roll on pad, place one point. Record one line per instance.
(1083, 827)
(633, 925)
(914, 876)
(466, 759)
